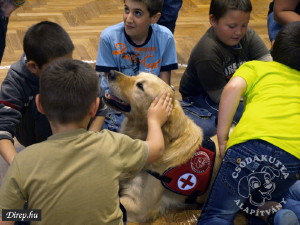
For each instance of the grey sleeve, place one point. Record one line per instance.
(266, 58)
(256, 46)
(11, 105)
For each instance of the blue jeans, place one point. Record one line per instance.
(3, 30)
(170, 13)
(202, 117)
(273, 27)
(205, 104)
(113, 120)
(293, 199)
(34, 127)
(251, 173)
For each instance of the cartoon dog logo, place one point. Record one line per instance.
(260, 185)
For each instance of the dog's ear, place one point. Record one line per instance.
(176, 121)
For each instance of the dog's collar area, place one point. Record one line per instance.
(173, 88)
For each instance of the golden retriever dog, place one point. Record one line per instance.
(143, 195)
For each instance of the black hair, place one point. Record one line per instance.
(218, 8)
(153, 6)
(45, 41)
(286, 48)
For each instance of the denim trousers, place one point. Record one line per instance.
(113, 120)
(3, 30)
(170, 13)
(207, 112)
(34, 127)
(251, 174)
(293, 199)
(273, 27)
(202, 117)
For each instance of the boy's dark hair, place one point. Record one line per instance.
(153, 6)
(218, 8)
(286, 48)
(45, 41)
(67, 89)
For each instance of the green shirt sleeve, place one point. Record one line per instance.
(133, 153)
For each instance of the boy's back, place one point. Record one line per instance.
(271, 101)
(74, 178)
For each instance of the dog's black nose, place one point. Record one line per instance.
(112, 75)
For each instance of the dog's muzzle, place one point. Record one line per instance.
(116, 103)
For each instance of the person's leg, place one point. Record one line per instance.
(113, 120)
(170, 13)
(293, 199)
(251, 174)
(224, 200)
(3, 30)
(204, 112)
(34, 127)
(273, 27)
(285, 217)
(202, 117)
(239, 112)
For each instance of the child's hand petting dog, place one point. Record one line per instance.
(160, 109)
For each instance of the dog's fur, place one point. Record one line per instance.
(143, 196)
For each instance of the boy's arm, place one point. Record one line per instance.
(11, 105)
(165, 76)
(97, 123)
(158, 113)
(284, 11)
(230, 99)
(7, 150)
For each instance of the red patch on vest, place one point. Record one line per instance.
(192, 176)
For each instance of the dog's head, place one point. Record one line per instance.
(134, 94)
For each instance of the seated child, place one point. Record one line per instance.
(73, 176)
(225, 46)
(136, 45)
(43, 43)
(262, 160)
(282, 12)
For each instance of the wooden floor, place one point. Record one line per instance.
(85, 20)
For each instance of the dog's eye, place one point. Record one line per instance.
(140, 86)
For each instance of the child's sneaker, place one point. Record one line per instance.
(285, 217)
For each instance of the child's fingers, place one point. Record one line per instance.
(165, 99)
(155, 101)
(170, 108)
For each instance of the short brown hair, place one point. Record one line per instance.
(67, 89)
(286, 48)
(153, 6)
(45, 41)
(218, 8)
